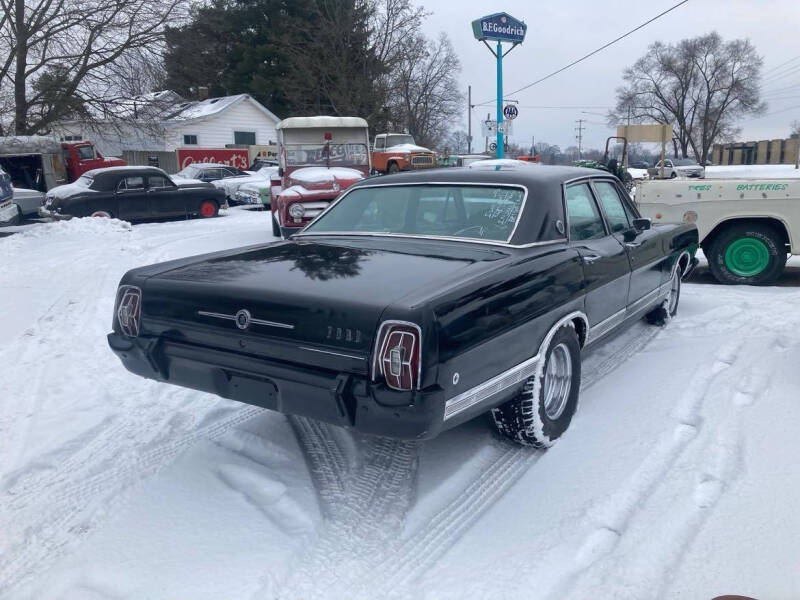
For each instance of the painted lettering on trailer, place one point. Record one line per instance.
(762, 187)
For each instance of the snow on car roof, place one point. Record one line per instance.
(321, 121)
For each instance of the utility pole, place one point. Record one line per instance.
(579, 137)
(486, 146)
(469, 119)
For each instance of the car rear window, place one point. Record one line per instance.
(470, 212)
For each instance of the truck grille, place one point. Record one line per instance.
(422, 161)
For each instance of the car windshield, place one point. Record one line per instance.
(303, 155)
(480, 212)
(397, 140)
(84, 181)
(189, 172)
(683, 162)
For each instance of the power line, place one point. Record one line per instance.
(600, 49)
(791, 60)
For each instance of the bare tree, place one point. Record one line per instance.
(795, 131)
(424, 93)
(702, 86)
(59, 57)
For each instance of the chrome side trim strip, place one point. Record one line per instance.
(509, 378)
(606, 325)
(226, 317)
(362, 358)
(491, 387)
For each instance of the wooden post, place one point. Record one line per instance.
(663, 148)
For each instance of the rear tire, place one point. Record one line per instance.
(15, 220)
(208, 209)
(669, 308)
(673, 175)
(748, 254)
(276, 230)
(543, 410)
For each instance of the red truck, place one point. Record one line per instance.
(319, 158)
(42, 163)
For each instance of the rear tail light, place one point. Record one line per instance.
(398, 355)
(128, 310)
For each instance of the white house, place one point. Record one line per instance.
(164, 121)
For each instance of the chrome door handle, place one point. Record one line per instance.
(633, 244)
(590, 258)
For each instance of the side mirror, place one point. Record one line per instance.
(641, 224)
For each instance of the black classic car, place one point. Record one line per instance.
(415, 302)
(132, 194)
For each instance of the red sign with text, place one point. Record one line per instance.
(234, 157)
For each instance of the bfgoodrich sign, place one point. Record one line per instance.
(499, 27)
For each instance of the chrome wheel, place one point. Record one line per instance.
(557, 381)
(674, 291)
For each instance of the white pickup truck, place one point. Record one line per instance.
(747, 227)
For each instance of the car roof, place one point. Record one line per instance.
(129, 169)
(544, 206)
(201, 165)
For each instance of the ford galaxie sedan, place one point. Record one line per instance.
(415, 302)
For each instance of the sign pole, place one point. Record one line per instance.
(499, 99)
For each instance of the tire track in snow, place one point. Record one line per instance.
(364, 519)
(612, 517)
(60, 517)
(648, 573)
(398, 563)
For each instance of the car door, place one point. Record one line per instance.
(606, 266)
(165, 197)
(132, 198)
(643, 247)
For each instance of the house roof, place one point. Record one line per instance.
(322, 121)
(167, 107)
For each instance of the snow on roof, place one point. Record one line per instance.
(29, 144)
(321, 174)
(321, 121)
(168, 106)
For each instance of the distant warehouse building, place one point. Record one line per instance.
(764, 152)
(152, 126)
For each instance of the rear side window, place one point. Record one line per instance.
(158, 182)
(618, 219)
(131, 183)
(585, 222)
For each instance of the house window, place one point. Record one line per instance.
(246, 138)
(190, 140)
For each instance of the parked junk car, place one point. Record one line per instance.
(231, 185)
(41, 163)
(132, 194)
(677, 167)
(319, 158)
(209, 172)
(747, 227)
(28, 201)
(393, 152)
(415, 302)
(255, 194)
(9, 213)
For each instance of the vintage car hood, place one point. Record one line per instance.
(318, 293)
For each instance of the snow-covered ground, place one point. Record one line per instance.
(756, 171)
(679, 477)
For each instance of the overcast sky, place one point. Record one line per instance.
(560, 31)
